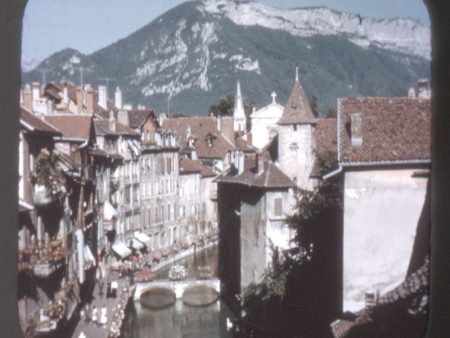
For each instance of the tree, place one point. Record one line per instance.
(223, 108)
(332, 112)
(304, 280)
(313, 105)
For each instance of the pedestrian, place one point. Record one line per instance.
(104, 316)
(94, 314)
(100, 287)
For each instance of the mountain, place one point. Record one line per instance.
(194, 53)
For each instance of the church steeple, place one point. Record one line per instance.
(297, 109)
(238, 112)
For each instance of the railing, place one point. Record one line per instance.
(43, 261)
(42, 196)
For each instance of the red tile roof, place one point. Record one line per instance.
(297, 109)
(326, 145)
(194, 166)
(393, 129)
(201, 127)
(37, 123)
(71, 125)
(102, 128)
(271, 177)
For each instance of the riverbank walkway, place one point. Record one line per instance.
(92, 330)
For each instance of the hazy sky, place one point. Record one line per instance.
(88, 25)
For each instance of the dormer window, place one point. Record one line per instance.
(210, 142)
(356, 130)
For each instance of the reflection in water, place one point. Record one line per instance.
(180, 320)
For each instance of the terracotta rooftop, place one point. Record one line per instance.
(392, 129)
(271, 177)
(202, 128)
(326, 145)
(297, 109)
(71, 125)
(37, 123)
(194, 166)
(102, 128)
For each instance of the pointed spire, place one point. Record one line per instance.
(238, 112)
(297, 109)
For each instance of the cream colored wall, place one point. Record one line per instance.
(381, 211)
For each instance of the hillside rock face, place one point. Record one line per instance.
(192, 56)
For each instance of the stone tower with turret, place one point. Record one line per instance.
(296, 138)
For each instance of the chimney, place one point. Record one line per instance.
(227, 125)
(112, 122)
(28, 98)
(89, 99)
(49, 106)
(128, 106)
(65, 94)
(118, 98)
(79, 100)
(219, 123)
(424, 89)
(259, 163)
(122, 117)
(356, 130)
(411, 93)
(162, 117)
(36, 90)
(102, 96)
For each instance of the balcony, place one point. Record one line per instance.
(43, 261)
(43, 196)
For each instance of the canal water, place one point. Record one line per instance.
(180, 320)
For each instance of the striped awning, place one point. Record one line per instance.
(137, 244)
(121, 249)
(141, 237)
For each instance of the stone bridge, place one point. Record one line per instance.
(177, 287)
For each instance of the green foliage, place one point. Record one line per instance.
(313, 104)
(47, 173)
(222, 108)
(298, 278)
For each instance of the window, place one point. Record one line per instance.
(278, 206)
(294, 127)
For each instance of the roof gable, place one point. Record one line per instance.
(78, 127)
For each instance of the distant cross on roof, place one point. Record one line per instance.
(274, 97)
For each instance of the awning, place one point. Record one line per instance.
(141, 237)
(121, 249)
(109, 212)
(88, 256)
(136, 244)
